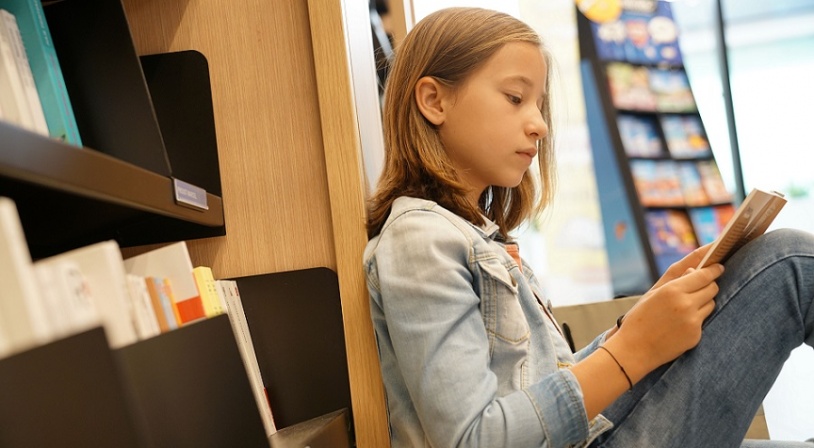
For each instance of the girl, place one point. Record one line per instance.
(469, 351)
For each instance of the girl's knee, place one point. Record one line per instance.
(787, 240)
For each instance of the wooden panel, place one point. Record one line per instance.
(340, 131)
(275, 191)
(402, 19)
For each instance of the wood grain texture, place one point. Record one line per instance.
(335, 51)
(275, 190)
(401, 19)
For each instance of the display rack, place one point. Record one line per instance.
(660, 189)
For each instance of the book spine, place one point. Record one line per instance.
(153, 288)
(142, 308)
(240, 327)
(24, 69)
(205, 281)
(167, 304)
(13, 100)
(22, 313)
(45, 69)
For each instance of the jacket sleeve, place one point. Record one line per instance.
(590, 348)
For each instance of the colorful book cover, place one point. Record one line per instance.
(657, 183)
(45, 68)
(671, 89)
(647, 35)
(172, 262)
(691, 186)
(671, 236)
(713, 182)
(685, 136)
(630, 87)
(162, 302)
(640, 136)
(709, 222)
(186, 310)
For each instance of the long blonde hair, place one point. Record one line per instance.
(449, 45)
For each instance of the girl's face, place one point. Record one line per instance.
(492, 123)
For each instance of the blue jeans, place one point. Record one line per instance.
(709, 395)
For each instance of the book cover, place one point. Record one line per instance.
(671, 236)
(630, 87)
(640, 137)
(657, 183)
(751, 219)
(185, 311)
(671, 90)
(685, 136)
(161, 304)
(23, 319)
(709, 222)
(8, 25)
(45, 68)
(67, 297)
(640, 36)
(691, 186)
(172, 262)
(240, 327)
(103, 268)
(144, 317)
(713, 182)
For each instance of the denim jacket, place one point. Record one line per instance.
(469, 353)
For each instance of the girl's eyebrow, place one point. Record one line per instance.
(525, 80)
(521, 78)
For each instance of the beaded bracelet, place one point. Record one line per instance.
(627, 377)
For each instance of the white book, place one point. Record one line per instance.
(8, 24)
(144, 317)
(13, 99)
(240, 327)
(23, 320)
(103, 269)
(52, 297)
(66, 294)
(173, 263)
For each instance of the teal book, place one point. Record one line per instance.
(45, 68)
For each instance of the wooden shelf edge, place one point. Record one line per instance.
(34, 159)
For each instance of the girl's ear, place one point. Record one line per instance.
(429, 96)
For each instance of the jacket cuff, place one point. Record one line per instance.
(560, 408)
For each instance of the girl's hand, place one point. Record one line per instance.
(680, 267)
(666, 321)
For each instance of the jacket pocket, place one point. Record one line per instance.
(508, 322)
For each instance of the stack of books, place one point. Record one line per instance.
(33, 94)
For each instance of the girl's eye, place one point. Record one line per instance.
(514, 99)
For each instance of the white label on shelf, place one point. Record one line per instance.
(189, 195)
